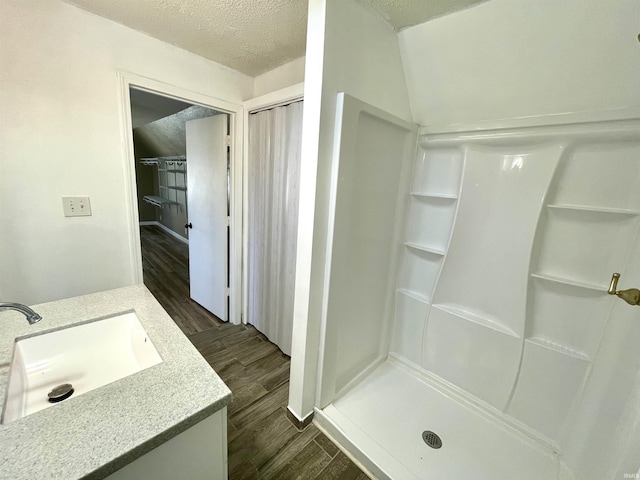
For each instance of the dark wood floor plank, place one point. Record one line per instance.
(237, 352)
(264, 367)
(246, 395)
(216, 334)
(262, 442)
(308, 463)
(286, 454)
(341, 468)
(165, 266)
(275, 377)
(245, 471)
(240, 337)
(267, 404)
(258, 353)
(327, 445)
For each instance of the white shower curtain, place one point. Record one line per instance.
(275, 138)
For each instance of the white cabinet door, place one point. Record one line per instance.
(207, 187)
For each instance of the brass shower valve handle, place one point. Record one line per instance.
(631, 295)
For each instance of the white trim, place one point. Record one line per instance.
(275, 99)
(237, 122)
(166, 229)
(626, 113)
(270, 100)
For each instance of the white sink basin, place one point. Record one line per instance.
(86, 356)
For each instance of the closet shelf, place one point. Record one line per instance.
(595, 209)
(173, 187)
(424, 248)
(447, 196)
(568, 281)
(415, 295)
(149, 161)
(173, 170)
(480, 319)
(157, 160)
(556, 347)
(176, 159)
(158, 201)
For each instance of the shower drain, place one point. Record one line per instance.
(432, 439)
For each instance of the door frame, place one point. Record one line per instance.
(281, 97)
(127, 80)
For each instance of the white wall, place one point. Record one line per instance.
(290, 73)
(517, 58)
(350, 49)
(61, 134)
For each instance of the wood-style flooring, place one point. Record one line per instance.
(263, 443)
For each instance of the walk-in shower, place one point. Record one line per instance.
(467, 298)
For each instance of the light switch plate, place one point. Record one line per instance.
(76, 206)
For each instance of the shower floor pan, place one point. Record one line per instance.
(381, 421)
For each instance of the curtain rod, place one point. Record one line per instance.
(275, 105)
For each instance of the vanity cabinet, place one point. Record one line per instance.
(199, 452)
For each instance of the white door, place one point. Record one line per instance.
(207, 187)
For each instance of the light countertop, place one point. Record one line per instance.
(95, 434)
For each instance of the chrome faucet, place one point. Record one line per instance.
(32, 317)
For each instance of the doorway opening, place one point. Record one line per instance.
(182, 168)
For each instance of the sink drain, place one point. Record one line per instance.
(60, 393)
(431, 439)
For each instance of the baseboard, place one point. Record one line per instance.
(299, 424)
(166, 229)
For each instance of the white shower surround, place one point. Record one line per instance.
(474, 72)
(511, 237)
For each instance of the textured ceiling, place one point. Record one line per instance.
(406, 13)
(251, 36)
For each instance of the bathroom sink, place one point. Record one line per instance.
(78, 359)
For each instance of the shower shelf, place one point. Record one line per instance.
(480, 319)
(573, 283)
(556, 347)
(447, 196)
(425, 248)
(415, 295)
(595, 209)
